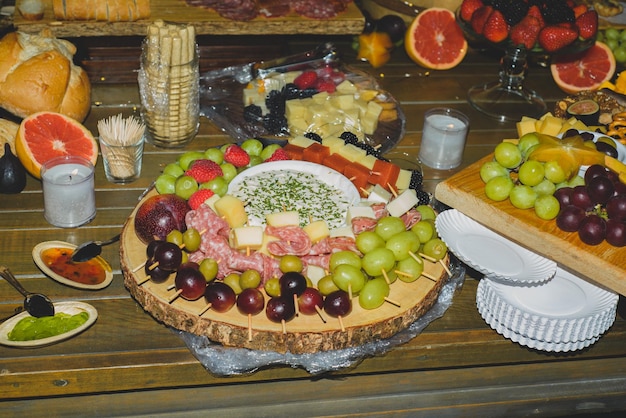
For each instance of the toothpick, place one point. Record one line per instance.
(206, 308)
(175, 295)
(392, 302)
(415, 257)
(429, 276)
(385, 276)
(445, 267)
(392, 190)
(249, 327)
(343, 329)
(320, 313)
(427, 257)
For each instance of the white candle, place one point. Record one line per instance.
(443, 138)
(68, 191)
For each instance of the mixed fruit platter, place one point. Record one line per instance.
(331, 253)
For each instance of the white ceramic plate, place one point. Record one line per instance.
(71, 308)
(490, 253)
(346, 189)
(42, 246)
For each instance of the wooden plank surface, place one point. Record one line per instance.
(205, 21)
(603, 264)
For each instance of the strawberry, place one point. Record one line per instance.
(587, 24)
(535, 12)
(237, 156)
(579, 9)
(278, 155)
(325, 85)
(199, 197)
(526, 32)
(496, 29)
(555, 37)
(468, 7)
(306, 79)
(204, 170)
(479, 18)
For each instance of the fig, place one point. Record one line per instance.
(12, 172)
(587, 111)
(159, 215)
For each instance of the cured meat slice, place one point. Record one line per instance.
(362, 224)
(292, 240)
(274, 8)
(318, 9)
(322, 260)
(240, 10)
(410, 218)
(333, 244)
(205, 220)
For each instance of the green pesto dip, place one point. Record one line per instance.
(31, 328)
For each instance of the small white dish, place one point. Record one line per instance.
(71, 308)
(46, 245)
(621, 149)
(490, 253)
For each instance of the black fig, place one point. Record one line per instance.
(12, 172)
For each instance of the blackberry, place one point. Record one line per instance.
(275, 124)
(252, 113)
(556, 11)
(315, 137)
(423, 197)
(512, 10)
(309, 92)
(417, 179)
(275, 102)
(369, 150)
(349, 138)
(291, 91)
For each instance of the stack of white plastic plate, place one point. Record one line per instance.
(524, 297)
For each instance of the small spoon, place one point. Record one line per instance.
(91, 249)
(36, 304)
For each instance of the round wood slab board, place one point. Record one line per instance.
(304, 334)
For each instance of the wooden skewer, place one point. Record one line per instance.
(392, 302)
(385, 276)
(249, 327)
(343, 329)
(392, 190)
(427, 257)
(175, 295)
(139, 267)
(445, 267)
(170, 287)
(206, 308)
(320, 313)
(429, 276)
(295, 302)
(415, 257)
(365, 192)
(144, 280)
(284, 325)
(403, 273)
(350, 290)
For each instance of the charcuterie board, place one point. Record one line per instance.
(206, 22)
(303, 334)
(602, 264)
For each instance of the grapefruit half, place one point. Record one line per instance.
(435, 40)
(585, 70)
(45, 135)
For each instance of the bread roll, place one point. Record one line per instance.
(8, 132)
(101, 10)
(37, 74)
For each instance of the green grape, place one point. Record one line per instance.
(388, 226)
(218, 185)
(547, 207)
(191, 239)
(272, 287)
(546, 187)
(576, 181)
(250, 279)
(492, 169)
(326, 285)
(214, 154)
(232, 280)
(435, 248)
(554, 172)
(165, 184)
(344, 257)
(620, 54)
(410, 269)
(373, 294)
(508, 154)
(499, 188)
(613, 44)
(255, 160)
(612, 33)
(229, 171)
(378, 260)
(185, 258)
(366, 241)
(174, 170)
(253, 147)
(175, 237)
(208, 267)
(268, 151)
(531, 173)
(424, 230)
(290, 263)
(348, 278)
(622, 35)
(426, 211)
(523, 197)
(185, 160)
(402, 244)
(186, 186)
(527, 141)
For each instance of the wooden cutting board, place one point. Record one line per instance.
(205, 21)
(602, 264)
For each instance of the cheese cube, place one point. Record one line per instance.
(403, 203)
(232, 210)
(352, 153)
(369, 123)
(344, 101)
(248, 237)
(210, 202)
(404, 179)
(266, 240)
(343, 231)
(317, 230)
(321, 97)
(294, 109)
(346, 87)
(363, 211)
(286, 218)
(551, 125)
(525, 126)
(379, 195)
(314, 274)
(369, 161)
(333, 143)
(368, 95)
(301, 141)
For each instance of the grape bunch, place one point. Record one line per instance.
(595, 210)
(615, 39)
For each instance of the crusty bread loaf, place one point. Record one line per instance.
(101, 10)
(37, 74)
(8, 132)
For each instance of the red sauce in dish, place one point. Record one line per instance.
(88, 272)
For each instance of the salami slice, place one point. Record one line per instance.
(205, 220)
(292, 240)
(318, 9)
(410, 218)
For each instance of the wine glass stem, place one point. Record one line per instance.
(512, 68)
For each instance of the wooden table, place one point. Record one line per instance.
(129, 364)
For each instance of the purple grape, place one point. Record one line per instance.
(168, 255)
(594, 171)
(280, 309)
(569, 218)
(616, 207)
(592, 230)
(221, 296)
(250, 301)
(338, 304)
(615, 233)
(600, 189)
(190, 282)
(564, 196)
(292, 283)
(580, 197)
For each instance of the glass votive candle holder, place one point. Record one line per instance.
(122, 161)
(443, 138)
(68, 191)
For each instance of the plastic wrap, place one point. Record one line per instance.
(221, 96)
(229, 361)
